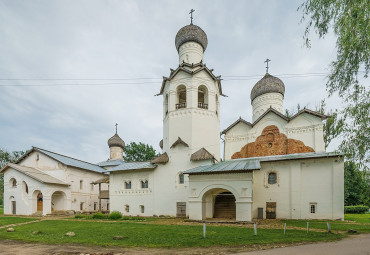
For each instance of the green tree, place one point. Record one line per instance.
(139, 152)
(356, 187)
(350, 22)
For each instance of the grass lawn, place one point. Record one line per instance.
(4, 220)
(359, 218)
(150, 235)
(335, 225)
(1, 209)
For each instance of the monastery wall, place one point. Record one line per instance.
(300, 184)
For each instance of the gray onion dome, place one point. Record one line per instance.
(161, 144)
(268, 84)
(116, 141)
(191, 33)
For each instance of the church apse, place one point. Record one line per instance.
(271, 142)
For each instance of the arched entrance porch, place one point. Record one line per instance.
(58, 201)
(219, 203)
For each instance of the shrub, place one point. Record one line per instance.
(355, 209)
(79, 216)
(115, 215)
(99, 215)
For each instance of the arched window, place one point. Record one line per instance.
(202, 97)
(127, 184)
(181, 178)
(13, 182)
(181, 97)
(272, 178)
(25, 187)
(144, 184)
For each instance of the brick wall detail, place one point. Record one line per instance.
(271, 142)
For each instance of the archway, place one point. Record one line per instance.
(58, 200)
(219, 203)
(38, 199)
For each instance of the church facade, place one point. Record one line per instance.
(274, 166)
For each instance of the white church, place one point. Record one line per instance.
(274, 166)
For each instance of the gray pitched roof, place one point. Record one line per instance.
(126, 166)
(240, 120)
(66, 160)
(110, 162)
(36, 174)
(249, 164)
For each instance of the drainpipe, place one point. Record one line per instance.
(223, 141)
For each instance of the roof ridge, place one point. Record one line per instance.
(37, 148)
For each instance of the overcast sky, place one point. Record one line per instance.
(78, 43)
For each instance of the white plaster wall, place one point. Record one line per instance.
(191, 53)
(299, 183)
(308, 129)
(116, 153)
(263, 102)
(164, 188)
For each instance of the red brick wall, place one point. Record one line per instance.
(271, 142)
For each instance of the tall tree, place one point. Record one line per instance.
(356, 187)
(350, 21)
(138, 152)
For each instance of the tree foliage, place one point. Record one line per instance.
(350, 22)
(356, 187)
(139, 152)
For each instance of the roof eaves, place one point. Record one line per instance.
(267, 112)
(317, 114)
(235, 123)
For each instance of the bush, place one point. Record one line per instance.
(99, 215)
(115, 215)
(82, 216)
(355, 209)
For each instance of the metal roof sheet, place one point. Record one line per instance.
(72, 162)
(132, 166)
(248, 164)
(36, 174)
(110, 162)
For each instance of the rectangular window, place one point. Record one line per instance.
(127, 208)
(128, 185)
(107, 206)
(81, 206)
(313, 207)
(141, 208)
(81, 184)
(181, 179)
(95, 206)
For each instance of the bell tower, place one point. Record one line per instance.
(191, 99)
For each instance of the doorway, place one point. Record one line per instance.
(225, 206)
(14, 207)
(270, 210)
(40, 205)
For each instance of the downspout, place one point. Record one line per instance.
(223, 141)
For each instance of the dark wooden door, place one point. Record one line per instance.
(181, 209)
(14, 207)
(225, 206)
(271, 210)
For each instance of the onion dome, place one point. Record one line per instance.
(116, 141)
(191, 33)
(161, 144)
(268, 84)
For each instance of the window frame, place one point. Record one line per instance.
(275, 178)
(144, 184)
(128, 185)
(313, 208)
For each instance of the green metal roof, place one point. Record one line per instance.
(249, 164)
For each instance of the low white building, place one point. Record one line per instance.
(276, 166)
(44, 182)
